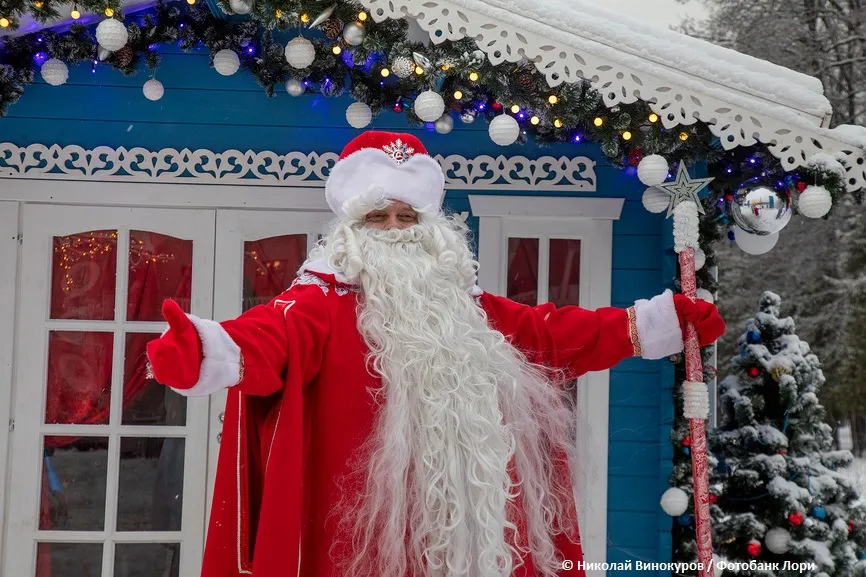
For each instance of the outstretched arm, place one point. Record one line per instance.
(199, 356)
(579, 340)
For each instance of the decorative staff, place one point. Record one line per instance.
(685, 205)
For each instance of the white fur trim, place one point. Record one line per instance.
(658, 326)
(696, 400)
(221, 365)
(419, 181)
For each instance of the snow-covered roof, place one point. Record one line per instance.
(743, 99)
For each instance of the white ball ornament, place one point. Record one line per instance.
(652, 170)
(429, 106)
(700, 259)
(54, 72)
(675, 502)
(504, 130)
(655, 200)
(226, 62)
(358, 115)
(444, 124)
(705, 295)
(241, 6)
(300, 52)
(755, 244)
(153, 89)
(295, 87)
(815, 202)
(111, 34)
(777, 540)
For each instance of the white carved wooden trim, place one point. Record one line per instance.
(293, 169)
(735, 117)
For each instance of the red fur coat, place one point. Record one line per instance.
(299, 406)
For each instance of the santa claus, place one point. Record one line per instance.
(387, 417)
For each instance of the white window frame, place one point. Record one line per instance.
(233, 229)
(40, 224)
(589, 220)
(9, 258)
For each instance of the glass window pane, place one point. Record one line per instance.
(150, 494)
(69, 560)
(147, 560)
(270, 265)
(146, 402)
(79, 377)
(160, 268)
(522, 285)
(84, 275)
(564, 275)
(74, 473)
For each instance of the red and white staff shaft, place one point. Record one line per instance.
(696, 406)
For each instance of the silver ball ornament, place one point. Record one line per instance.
(295, 87)
(354, 34)
(403, 66)
(241, 6)
(54, 72)
(444, 124)
(429, 106)
(468, 117)
(153, 89)
(300, 52)
(111, 34)
(761, 210)
(226, 62)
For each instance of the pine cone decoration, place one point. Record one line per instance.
(124, 56)
(525, 82)
(332, 29)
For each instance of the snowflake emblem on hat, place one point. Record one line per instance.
(399, 151)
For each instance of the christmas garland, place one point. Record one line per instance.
(338, 49)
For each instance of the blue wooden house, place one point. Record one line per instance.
(110, 202)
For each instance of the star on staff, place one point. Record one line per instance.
(684, 189)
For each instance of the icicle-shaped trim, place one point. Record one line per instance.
(696, 400)
(686, 224)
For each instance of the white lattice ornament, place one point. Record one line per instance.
(268, 168)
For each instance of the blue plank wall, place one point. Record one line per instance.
(201, 109)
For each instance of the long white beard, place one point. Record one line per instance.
(460, 409)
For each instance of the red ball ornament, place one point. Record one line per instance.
(687, 442)
(497, 107)
(795, 519)
(754, 548)
(801, 186)
(754, 372)
(851, 526)
(714, 499)
(398, 107)
(782, 452)
(635, 156)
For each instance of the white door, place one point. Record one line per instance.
(258, 254)
(107, 466)
(566, 261)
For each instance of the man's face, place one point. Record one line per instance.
(396, 215)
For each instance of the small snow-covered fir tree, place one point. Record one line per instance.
(779, 490)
